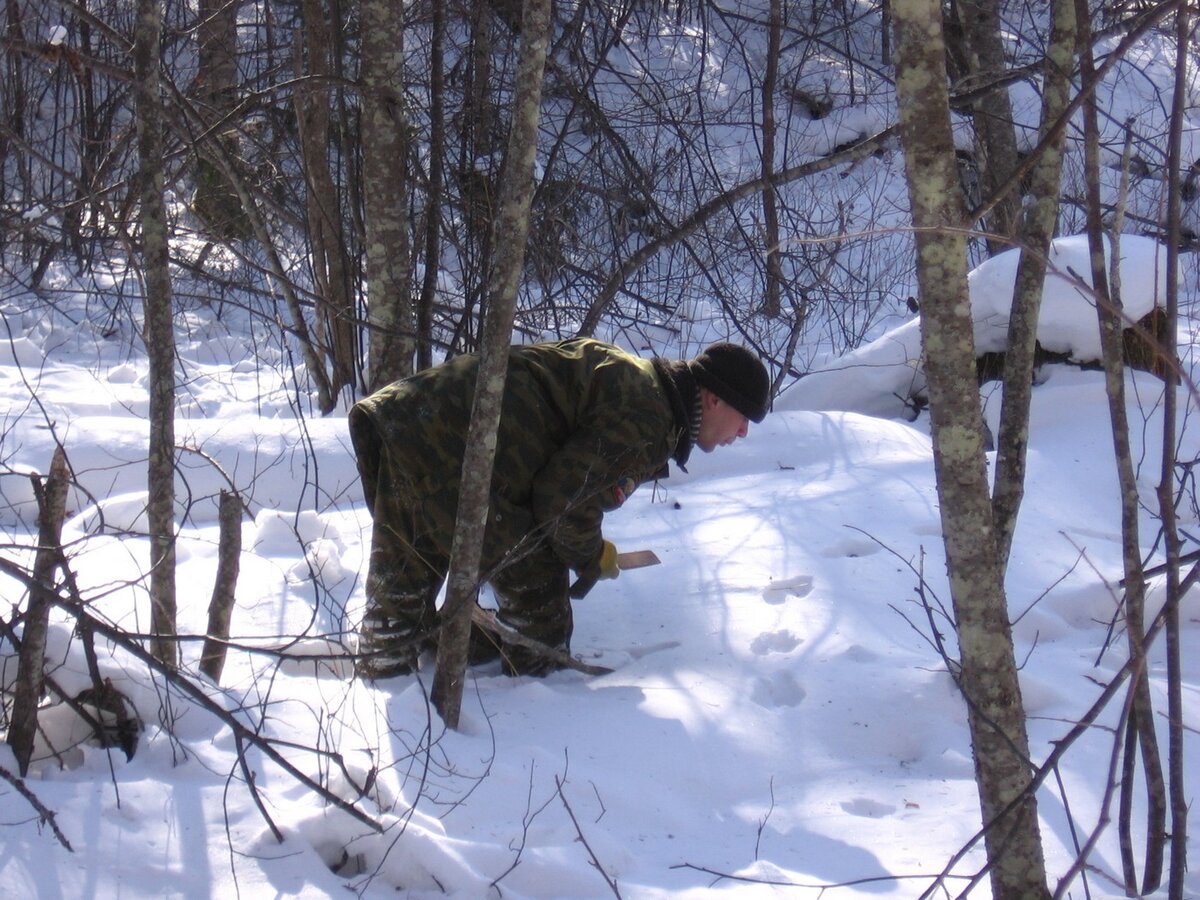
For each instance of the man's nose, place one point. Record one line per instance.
(745, 429)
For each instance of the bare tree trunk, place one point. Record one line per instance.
(224, 595)
(1036, 233)
(335, 307)
(216, 201)
(773, 287)
(474, 171)
(511, 229)
(390, 315)
(89, 157)
(1141, 734)
(995, 140)
(216, 60)
(433, 192)
(13, 93)
(988, 675)
(1175, 746)
(157, 333)
(27, 693)
(885, 38)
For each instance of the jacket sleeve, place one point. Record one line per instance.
(575, 486)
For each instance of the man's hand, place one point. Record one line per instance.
(603, 566)
(609, 568)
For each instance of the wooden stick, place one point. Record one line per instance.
(486, 619)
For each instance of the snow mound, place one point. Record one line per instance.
(881, 377)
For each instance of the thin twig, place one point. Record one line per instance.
(611, 882)
(762, 823)
(526, 821)
(252, 786)
(815, 886)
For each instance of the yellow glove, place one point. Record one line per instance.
(608, 560)
(604, 566)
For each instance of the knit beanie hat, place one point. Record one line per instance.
(735, 375)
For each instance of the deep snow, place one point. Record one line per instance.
(777, 713)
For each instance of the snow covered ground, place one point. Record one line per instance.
(777, 715)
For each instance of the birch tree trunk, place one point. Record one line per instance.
(390, 315)
(988, 676)
(157, 330)
(510, 231)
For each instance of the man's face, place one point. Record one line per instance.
(720, 423)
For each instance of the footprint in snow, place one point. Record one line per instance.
(782, 641)
(867, 808)
(859, 654)
(780, 689)
(646, 649)
(778, 591)
(851, 548)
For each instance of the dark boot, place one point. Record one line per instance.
(388, 646)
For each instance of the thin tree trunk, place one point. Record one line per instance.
(216, 200)
(14, 95)
(433, 194)
(216, 60)
(885, 38)
(157, 333)
(1036, 233)
(1111, 321)
(334, 306)
(1166, 493)
(27, 693)
(995, 140)
(224, 595)
(474, 171)
(390, 315)
(511, 229)
(773, 287)
(85, 204)
(988, 675)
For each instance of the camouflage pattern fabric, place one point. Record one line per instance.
(582, 423)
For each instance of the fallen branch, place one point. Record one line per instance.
(486, 619)
(51, 501)
(77, 608)
(814, 886)
(45, 815)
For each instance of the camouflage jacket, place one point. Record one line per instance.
(582, 424)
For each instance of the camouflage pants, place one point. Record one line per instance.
(408, 565)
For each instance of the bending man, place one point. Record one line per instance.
(583, 423)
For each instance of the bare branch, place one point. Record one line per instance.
(45, 815)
